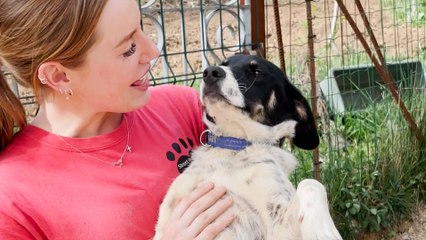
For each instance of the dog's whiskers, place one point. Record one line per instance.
(251, 85)
(242, 87)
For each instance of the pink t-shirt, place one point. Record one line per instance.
(48, 190)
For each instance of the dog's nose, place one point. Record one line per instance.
(213, 74)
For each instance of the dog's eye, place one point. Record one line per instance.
(225, 62)
(254, 67)
(253, 64)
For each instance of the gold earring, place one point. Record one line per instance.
(69, 93)
(43, 79)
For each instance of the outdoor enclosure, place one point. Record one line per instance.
(360, 62)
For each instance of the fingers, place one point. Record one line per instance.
(183, 204)
(200, 208)
(211, 231)
(202, 214)
(206, 212)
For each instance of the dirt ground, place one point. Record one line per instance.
(414, 229)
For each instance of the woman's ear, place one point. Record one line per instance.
(53, 75)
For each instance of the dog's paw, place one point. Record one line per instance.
(314, 215)
(285, 129)
(321, 231)
(183, 160)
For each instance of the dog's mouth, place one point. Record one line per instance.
(214, 96)
(212, 92)
(213, 99)
(229, 96)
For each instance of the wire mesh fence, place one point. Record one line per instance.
(372, 158)
(347, 81)
(194, 34)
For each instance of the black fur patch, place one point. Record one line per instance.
(259, 80)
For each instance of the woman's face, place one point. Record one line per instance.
(114, 76)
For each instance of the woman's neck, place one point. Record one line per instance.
(77, 124)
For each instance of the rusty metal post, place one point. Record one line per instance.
(258, 39)
(370, 32)
(279, 35)
(380, 66)
(314, 100)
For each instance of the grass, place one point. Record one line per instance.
(377, 174)
(408, 11)
(373, 166)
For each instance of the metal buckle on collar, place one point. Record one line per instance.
(201, 137)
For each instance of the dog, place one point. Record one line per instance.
(250, 108)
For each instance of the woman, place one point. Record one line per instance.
(98, 158)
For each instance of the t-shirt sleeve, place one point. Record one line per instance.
(195, 109)
(187, 101)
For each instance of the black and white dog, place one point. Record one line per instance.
(250, 108)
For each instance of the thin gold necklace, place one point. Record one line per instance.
(118, 163)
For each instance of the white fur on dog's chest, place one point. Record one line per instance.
(252, 159)
(260, 171)
(256, 178)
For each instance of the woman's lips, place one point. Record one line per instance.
(143, 82)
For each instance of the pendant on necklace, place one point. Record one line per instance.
(119, 163)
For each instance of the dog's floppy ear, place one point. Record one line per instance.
(306, 135)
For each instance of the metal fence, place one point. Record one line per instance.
(194, 34)
(350, 56)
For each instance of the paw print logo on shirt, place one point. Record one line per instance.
(178, 154)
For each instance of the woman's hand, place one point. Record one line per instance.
(201, 215)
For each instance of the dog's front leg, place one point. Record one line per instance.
(284, 129)
(307, 216)
(272, 134)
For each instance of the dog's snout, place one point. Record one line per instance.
(213, 74)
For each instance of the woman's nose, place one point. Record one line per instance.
(149, 50)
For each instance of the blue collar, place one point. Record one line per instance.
(231, 143)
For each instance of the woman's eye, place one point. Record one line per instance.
(131, 50)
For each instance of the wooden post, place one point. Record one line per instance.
(311, 37)
(257, 11)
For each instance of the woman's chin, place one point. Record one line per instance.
(141, 100)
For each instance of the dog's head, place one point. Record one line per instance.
(258, 91)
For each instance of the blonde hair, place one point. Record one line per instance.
(33, 32)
